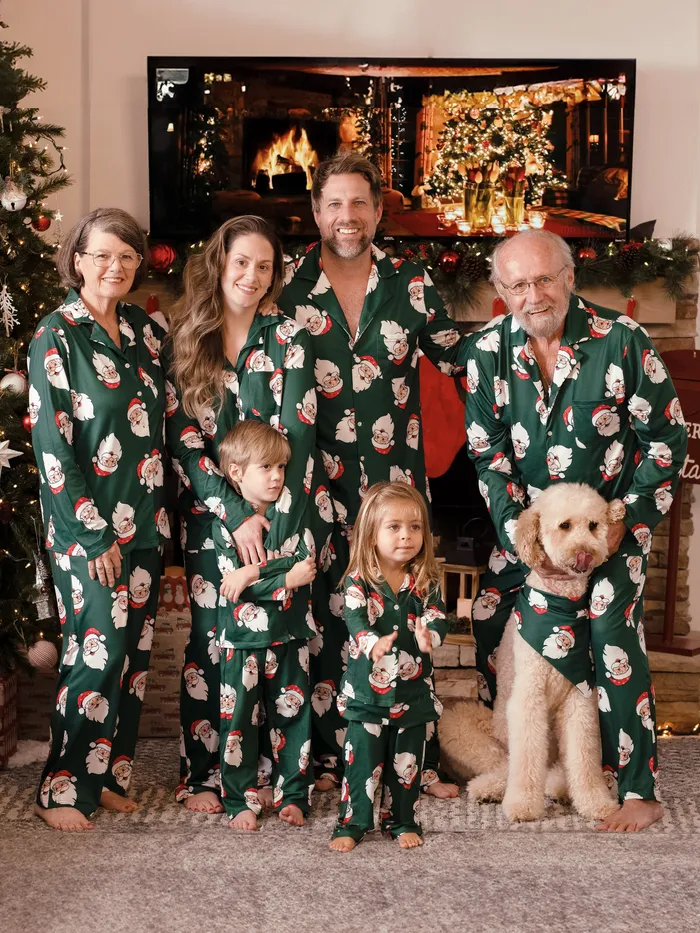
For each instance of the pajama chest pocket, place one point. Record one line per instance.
(596, 422)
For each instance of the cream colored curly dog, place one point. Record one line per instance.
(568, 523)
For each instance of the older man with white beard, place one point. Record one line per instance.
(588, 401)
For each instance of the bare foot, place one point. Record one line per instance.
(206, 802)
(442, 790)
(244, 820)
(632, 817)
(292, 814)
(342, 844)
(68, 819)
(265, 798)
(410, 840)
(111, 801)
(326, 783)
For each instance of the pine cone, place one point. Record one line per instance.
(627, 257)
(473, 267)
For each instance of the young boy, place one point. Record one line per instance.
(263, 626)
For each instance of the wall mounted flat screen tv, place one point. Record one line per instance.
(465, 147)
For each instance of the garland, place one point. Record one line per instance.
(461, 267)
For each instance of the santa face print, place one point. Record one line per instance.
(315, 321)
(290, 701)
(324, 504)
(328, 380)
(486, 604)
(121, 771)
(227, 701)
(202, 730)
(395, 340)
(64, 423)
(364, 372)
(413, 432)
(406, 768)
(383, 434)
(322, 697)
(93, 706)
(382, 677)
(250, 672)
(139, 587)
(120, 605)
(233, 753)
(123, 522)
(54, 472)
(63, 790)
(138, 418)
(602, 595)
(97, 758)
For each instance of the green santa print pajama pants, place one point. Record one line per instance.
(199, 688)
(392, 755)
(265, 688)
(107, 635)
(621, 667)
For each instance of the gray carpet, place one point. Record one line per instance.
(182, 872)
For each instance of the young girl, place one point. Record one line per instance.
(395, 616)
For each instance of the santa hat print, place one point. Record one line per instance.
(134, 404)
(76, 550)
(93, 633)
(597, 412)
(642, 701)
(567, 630)
(80, 505)
(85, 698)
(416, 281)
(568, 418)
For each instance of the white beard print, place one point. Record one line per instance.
(97, 760)
(203, 592)
(249, 677)
(62, 793)
(233, 753)
(83, 409)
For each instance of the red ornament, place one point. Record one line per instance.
(449, 261)
(27, 423)
(41, 223)
(587, 252)
(161, 257)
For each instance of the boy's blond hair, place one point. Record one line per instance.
(363, 553)
(252, 442)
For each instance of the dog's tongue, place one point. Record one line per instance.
(583, 561)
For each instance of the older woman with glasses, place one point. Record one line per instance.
(96, 403)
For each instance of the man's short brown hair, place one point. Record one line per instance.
(108, 220)
(252, 442)
(346, 163)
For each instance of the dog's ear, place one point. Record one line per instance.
(616, 511)
(527, 538)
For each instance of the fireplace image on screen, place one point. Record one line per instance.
(465, 148)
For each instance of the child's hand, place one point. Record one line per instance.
(301, 573)
(423, 636)
(382, 646)
(234, 582)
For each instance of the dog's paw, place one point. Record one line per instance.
(598, 808)
(487, 788)
(557, 786)
(519, 808)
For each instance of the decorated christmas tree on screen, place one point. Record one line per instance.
(32, 169)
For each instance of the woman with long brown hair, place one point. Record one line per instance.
(233, 356)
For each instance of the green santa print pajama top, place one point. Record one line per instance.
(96, 411)
(273, 382)
(369, 429)
(389, 706)
(612, 420)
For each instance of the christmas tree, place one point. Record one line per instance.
(31, 164)
(474, 135)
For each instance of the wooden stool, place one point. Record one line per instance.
(464, 603)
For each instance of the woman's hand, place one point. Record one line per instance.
(423, 637)
(107, 567)
(382, 646)
(249, 539)
(235, 581)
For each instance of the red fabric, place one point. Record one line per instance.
(442, 419)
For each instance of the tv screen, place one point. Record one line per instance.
(465, 147)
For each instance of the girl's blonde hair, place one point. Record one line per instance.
(197, 320)
(364, 557)
(252, 442)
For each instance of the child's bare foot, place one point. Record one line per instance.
(342, 844)
(325, 783)
(265, 798)
(244, 820)
(442, 790)
(111, 801)
(206, 802)
(632, 817)
(68, 819)
(410, 840)
(292, 814)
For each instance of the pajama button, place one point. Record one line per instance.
(139, 394)
(127, 365)
(396, 628)
(393, 685)
(396, 606)
(359, 424)
(549, 433)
